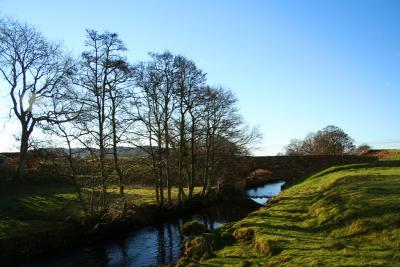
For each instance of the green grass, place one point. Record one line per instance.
(343, 216)
(28, 209)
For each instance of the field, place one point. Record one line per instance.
(343, 216)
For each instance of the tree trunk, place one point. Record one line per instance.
(193, 160)
(23, 153)
(207, 164)
(160, 173)
(180, 173)
(181, 151)
(167, 171)
(117, 167)
(103, 198)
(74, 180)
(154, 167)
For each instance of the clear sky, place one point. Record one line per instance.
(296, 66)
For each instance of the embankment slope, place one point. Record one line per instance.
(343, 216)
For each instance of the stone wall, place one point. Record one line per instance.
(288, 168)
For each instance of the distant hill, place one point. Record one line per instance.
(86, 152)
(121, 151)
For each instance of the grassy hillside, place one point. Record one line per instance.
(343, 216)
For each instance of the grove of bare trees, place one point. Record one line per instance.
(100, 102)
(331, 140)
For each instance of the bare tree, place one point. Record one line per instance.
(164, 68)
(331, 140)
(34, 70)
(103, 74)
(294, 148)
(189, 83)
(150, 114)
(225, 134)
(65, 134)
(117, 85)
(189, 128)
(308, 146)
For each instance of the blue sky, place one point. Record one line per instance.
(296, 66)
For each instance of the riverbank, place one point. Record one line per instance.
(36, 219)
(344, 215)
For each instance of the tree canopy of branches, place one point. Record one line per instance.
(103, 77)
(99, 102)
(331, 140)
(35, 71)
(189, 126)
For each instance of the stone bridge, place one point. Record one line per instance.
(287, 167)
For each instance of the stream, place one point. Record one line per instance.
(160, 243)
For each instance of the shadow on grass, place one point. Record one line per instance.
(368, 198)
(327, 170)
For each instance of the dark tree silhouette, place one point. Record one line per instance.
(331, 140)
(34, 69)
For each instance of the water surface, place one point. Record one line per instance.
(263, 193)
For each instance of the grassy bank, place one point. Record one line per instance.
(342, 216)
(35, 218)
(29, 208)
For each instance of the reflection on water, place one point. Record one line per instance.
(158, 244)
(263, 193)
(149, 245)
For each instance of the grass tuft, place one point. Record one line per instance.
(244, 234)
